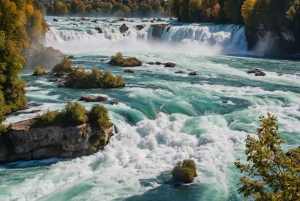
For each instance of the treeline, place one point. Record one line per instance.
(21, 23)
(248, 12)
(125, 8)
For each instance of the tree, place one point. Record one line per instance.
(271, 173)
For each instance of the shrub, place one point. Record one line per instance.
(80, 78)
(75, 113)
(185, 171)
(98, 117)
(64, 67)
(39, 71)
(46, 119)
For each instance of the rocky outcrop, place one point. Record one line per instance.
(193, 73)
(92, 98)
(123, 28)
(25, 142)
(275, 35)
(128, 71)
(158, 30)
(37, 55)
(98, 29)
(140, 27)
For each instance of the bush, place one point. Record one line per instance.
(75, 113)
(185, 171)
(98, 117)
(118, 60)
(39, 71)
(64, 67)
(79, 78)
(46, 119)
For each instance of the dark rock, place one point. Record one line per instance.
(71, 57)
(121, 19)
(145, 21)
(151, 63)
(193, 73)
(113, 21)
(131, 21)
(75, 24)
(92, 98)
(128, 71)
(160, 20)
(34, 111)
(140, 27)
(114, 102)
(61, 84)
(55, 20)
(53, 80)
(95, 21)
(158, 63)
(123, 28)
(171, 18)
(179, 72)
(84, 19)
(152, 21)
(257, 72)
(158, 30)
(98, 29)
(170, 64)
(102, 60)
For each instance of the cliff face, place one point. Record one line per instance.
(24, 142)
(275, 35)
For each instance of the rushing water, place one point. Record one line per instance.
(162, 117)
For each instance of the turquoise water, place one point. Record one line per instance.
(162, 117)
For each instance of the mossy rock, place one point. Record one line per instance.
(118, 60)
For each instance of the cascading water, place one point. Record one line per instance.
(162, 116)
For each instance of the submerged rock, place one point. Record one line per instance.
(114, 102)
(92, 98)
(179, 72)
(128, 71)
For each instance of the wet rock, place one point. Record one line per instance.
(71, 57)
(257, 72)
(158, 30)
(55, 20)
(95, 21)
(123, 28)
(170, 64)
(61, 85)
(151, 63)
(179, 72)
(53, 80)
(128, 71)
(158, 63)
(140, 27)
(34, 111)
(114, 102)
(98, 29)
(193, 73)
(93, 98)
(160, 20)
(121, 19)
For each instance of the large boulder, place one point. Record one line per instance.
(123, 28)
(98, 29)
(140, 27)
(185, 171)
(257, 72)
(92, 98)
(26, 142)
(158, 30)
(170, 64)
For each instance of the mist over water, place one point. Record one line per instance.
(162, 117)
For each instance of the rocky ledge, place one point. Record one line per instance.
(26, 142)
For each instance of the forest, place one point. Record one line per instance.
(21, 24)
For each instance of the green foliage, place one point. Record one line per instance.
(80, 78)
(64, 67)
(21, 22)
(39, 71)
(185, 171)
(99, 117)
(46, 119)
(271, 173)
(125, 8)
(76, 113)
